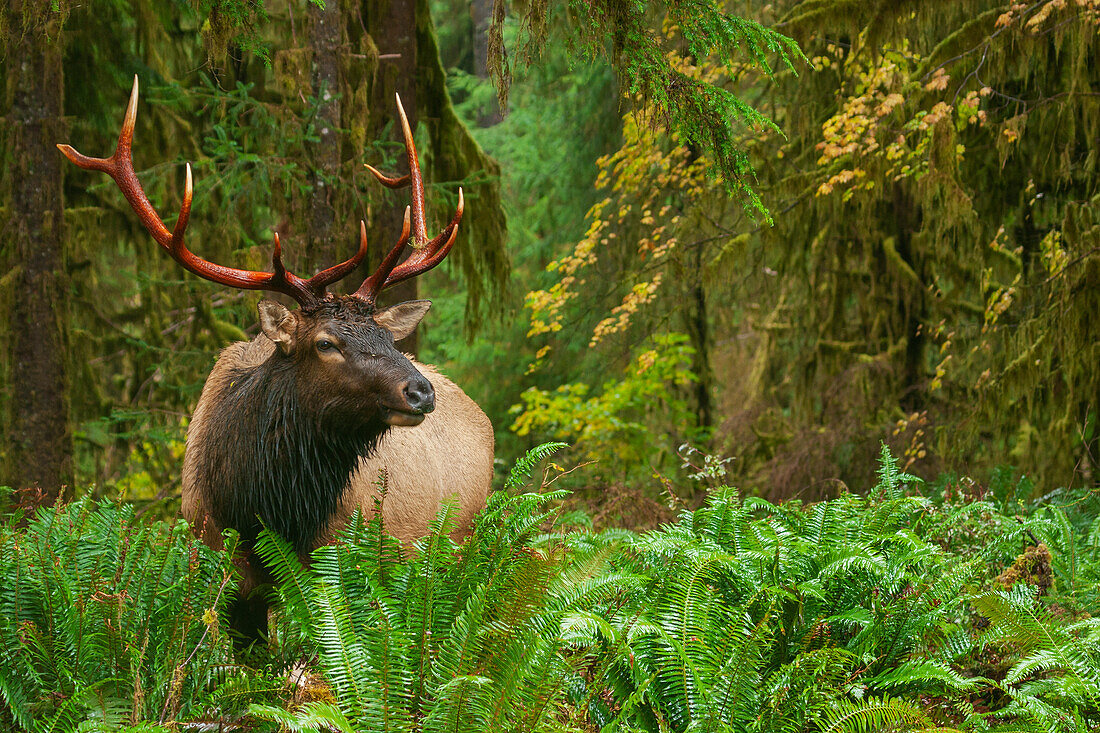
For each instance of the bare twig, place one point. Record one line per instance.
(225, 582)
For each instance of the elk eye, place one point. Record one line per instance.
(325, 345)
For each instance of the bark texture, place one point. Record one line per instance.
(39, 440)
(325, 41)
(392, 24)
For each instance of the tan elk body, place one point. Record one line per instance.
(418, 476)
(294, 429)
(417, 487)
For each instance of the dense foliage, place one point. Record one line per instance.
(959, 607)
(227, 86)
(107, 619)
(787, 232)
(930, 278)
(925, 274)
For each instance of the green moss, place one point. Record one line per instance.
(455, 156)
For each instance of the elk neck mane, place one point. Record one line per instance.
(274, 463)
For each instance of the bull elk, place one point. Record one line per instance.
(292, 428)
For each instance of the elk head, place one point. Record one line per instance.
(341, 348)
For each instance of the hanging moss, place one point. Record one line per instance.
(228, 23)
(931, 276)
(701, 112)
(991, 197)
(455, 156)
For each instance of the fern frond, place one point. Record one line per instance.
(462, 705)
(875, 714)
(1013, 617)
(891, 479)
(103, 620)
(922, 675)
(521, 471)
(343, 658)
(309, 718)
(293, 579)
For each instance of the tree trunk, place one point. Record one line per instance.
(697, 323)
(699, 331)
(392, 25)
(40, 449)
(911, 304)
(698, 327)
(325, 40)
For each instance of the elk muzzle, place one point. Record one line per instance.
(419, 398)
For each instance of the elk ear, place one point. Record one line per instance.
(401, 319)
(278, 324)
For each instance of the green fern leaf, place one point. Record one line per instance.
(521, 471)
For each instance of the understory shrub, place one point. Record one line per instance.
(845, 615)
(911, 608)
(106, 620)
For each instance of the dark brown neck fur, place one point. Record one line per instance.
(270, 462)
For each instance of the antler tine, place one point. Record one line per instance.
(420, 227)
(280, 280)
(398, 182)
(432, 253)
(336, 272)
(427, 254)
(286, 282)
(120, 167)
(373, 285)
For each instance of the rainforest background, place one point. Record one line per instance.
(783, 246)
(887, 235)
(896, 242)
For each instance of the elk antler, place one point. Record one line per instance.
(120, 167)
(427, 254)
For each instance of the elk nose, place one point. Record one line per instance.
(419, 395)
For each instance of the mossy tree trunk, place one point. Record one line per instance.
(39, 442)
(697, 322)
(325, 40)
(392, 25)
